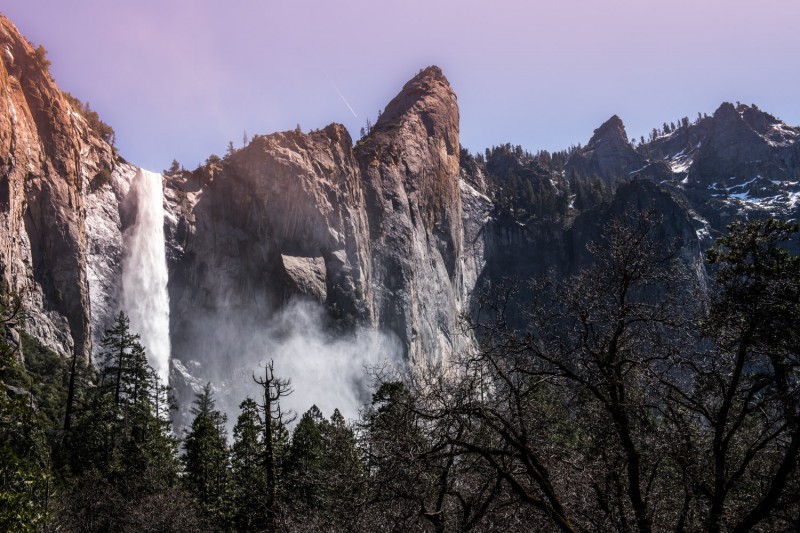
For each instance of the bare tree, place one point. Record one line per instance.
(562, 419)
(737, 408)
(275, 388)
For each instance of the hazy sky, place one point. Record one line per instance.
(181, 78)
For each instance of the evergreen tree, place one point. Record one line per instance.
(205, 460)
(121, 449)
(25, 475)
(247, 467)
(174, 168)
(326, 471)
(344, 472)
(124, 427)
(118, 345)
(304, 463)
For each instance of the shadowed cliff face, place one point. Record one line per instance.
(283, 217)
(48, 159)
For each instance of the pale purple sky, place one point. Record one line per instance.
(180, 78)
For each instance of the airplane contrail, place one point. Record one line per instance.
(344, 99)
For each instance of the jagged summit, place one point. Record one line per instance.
(410, 169)
(428, 94)
(611, 131)
(608, 155)
(749, 120)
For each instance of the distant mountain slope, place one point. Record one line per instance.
(739, 162)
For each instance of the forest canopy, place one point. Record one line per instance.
(634, 398)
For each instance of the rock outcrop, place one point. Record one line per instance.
(410, 167)
(283, 217)
(374, 233)
(738, 163)
(608, 154)
(50, 161)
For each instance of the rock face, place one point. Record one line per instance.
(374, 232)
(410, 168)
(608, 155)
(108, 213)
(516, 252)
(398, 233)
(50, 161)
(283, 217)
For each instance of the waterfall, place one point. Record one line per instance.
(144, 272)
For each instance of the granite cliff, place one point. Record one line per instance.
(372, 232)
(397, 232)
(60, 185)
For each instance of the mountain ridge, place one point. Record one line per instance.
(398, 231)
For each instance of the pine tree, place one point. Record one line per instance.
(118, 345)
(305, 461)
(24, 456)
(247, 467)
(205, 460)
(343, 470)
(122, 449)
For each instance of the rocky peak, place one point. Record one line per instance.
(726, 112)
(741, 161)
(414, 151)
(410, 167)
(428, 95)
(744, 125)
(732, 147)
(611, 132)
(608, 154)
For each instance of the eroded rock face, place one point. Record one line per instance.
(608, 154)
(279, 219)
(410, 168)
(374, 233)
(107, 215)
(49, 161)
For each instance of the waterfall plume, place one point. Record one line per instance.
(144, 272)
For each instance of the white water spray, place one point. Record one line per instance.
(144, 272)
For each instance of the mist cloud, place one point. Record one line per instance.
(326, 367)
